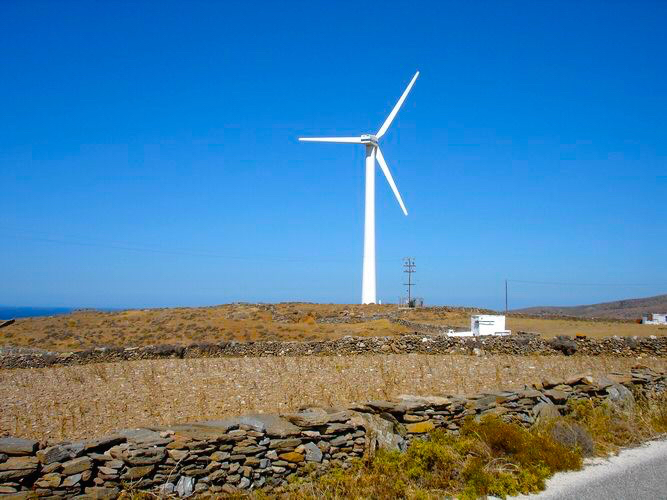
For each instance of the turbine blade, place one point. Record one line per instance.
(390, 179)
(353, 140)
(391, 116)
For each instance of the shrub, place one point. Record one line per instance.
(573, 436)
(610, 426)
(489, 457)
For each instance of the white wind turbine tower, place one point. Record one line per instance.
(373, 152)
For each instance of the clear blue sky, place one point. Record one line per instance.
(148, 152)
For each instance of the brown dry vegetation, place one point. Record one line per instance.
(290, 321)
(489, 457)
(76, 401)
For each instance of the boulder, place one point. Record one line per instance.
(564, 344)
(573, 435)
(620, 396)
(380, 433)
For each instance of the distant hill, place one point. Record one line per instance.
(620, 309)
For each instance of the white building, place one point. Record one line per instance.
(484, 324)
(654, 319)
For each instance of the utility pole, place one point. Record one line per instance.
(409, 268)
(505, 297)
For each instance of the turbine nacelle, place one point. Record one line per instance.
(369, 139)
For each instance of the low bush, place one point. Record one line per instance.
(489, 457)
(573, 436)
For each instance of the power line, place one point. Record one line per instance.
(139, 248)
(556, 283)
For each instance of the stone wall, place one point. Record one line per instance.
(12, 357)
(256, 451)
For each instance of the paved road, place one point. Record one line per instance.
(638, 473)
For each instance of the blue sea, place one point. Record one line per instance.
(7, 312)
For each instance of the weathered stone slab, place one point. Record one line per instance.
(19, 463)
(101, 493)
(134, 473)
(420, 427)
(77, 465)
(545, 411)
(313, 453)
(556, 396)
(272, 425)
(408, 403)
(17, 468)
(185, 486)
(17, 446)
(51, 480)
(381, 405)
(147, 457)
(380, 433)
(143, 437)
(284, 444)
(52, 454)
(104, 442)
(311, 417)
(621, 396)
(292, 456)
(585, 379)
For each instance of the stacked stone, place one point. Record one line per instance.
(61, 470)
(254, 451)
(425, 343)
(413, 416)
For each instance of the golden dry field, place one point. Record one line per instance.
(289, 321)
(70, 402)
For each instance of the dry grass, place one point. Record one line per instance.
(81, 401)
(598, 328)
(240, 322)
(247, 322)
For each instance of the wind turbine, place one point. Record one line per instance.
(373, 152)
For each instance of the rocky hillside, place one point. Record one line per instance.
(620, 309)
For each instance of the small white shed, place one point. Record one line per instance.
(483, 324)
(488, 324)
(654, 319)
